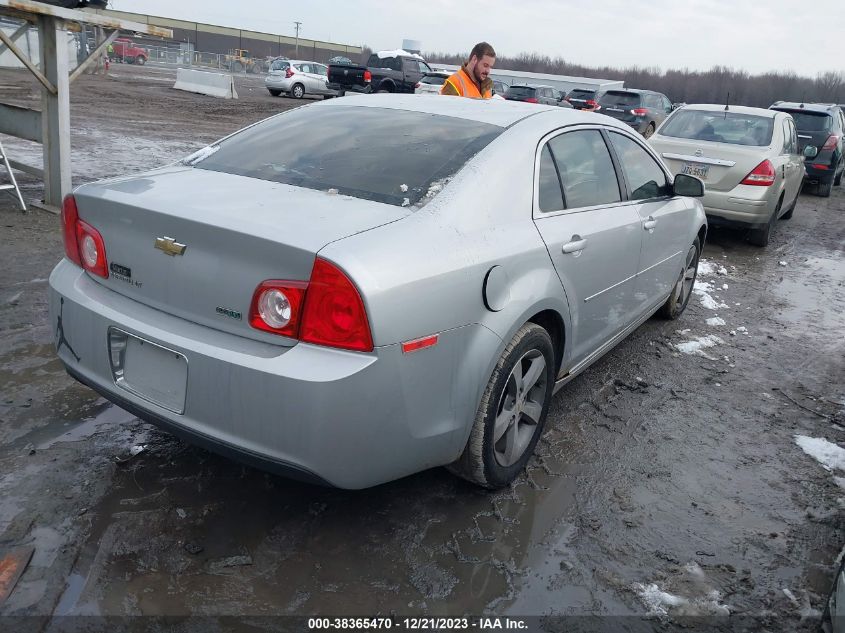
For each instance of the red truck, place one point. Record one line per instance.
(126, 51)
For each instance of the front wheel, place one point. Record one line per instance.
(682, 290)
(140, 60)
(513, 410)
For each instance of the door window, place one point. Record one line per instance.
(645, 177)
(549, 186)
(788, 145)
(585, 169)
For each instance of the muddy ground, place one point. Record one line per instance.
(662, 473)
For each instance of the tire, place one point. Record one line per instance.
(237, 67)
(140, 60)
(297, 91)
(760, 237)
(838, 180)
(649, 131)
(494, 463)
(274, 92)
(825, 189)
(682, 290)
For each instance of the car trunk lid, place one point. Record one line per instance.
(236, 232)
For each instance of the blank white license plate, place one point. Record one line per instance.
(697, 170)
(154, 373)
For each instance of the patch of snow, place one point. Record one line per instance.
(782, 263)
(656, 600)
(721, 270)
(436, 187)
(831, 456)
(403, 188)
(724, 286)
(840, 481)
(705, 268)
(733, 332)
(742, 329)
(397, 53)
(200, 155)
(332, 191)
(406, 202)
(697, 345)
(714, 321)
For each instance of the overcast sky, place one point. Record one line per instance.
(754, 35)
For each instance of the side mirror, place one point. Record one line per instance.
(686, 185)
(811, 151)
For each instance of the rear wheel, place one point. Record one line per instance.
(838, 180)
(792, 206)
(298, 91)
(649, 131)
(512, 412)
(760, 237)
(825, 189)
(682, 291)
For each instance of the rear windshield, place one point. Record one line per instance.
(811, 121)
(581, 94)
(617, 97)
(721, 127)
(379, 154)
(433, 79)
(521, 91)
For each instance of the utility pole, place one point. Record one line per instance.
(298, 25)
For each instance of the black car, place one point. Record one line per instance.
(583, 99)
(534, 93)
(643, 110)
(821, 126)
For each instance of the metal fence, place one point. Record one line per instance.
(191, 59)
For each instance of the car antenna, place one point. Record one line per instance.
(802, 101)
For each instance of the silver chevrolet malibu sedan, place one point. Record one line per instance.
(364, 288)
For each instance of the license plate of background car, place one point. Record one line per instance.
(692, 169)
(154, 373)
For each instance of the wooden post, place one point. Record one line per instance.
(55, 110)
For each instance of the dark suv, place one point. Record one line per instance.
(821, 126)
(532, 93)
(643, 110)
(583, 99)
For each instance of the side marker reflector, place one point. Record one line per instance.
(420, 343)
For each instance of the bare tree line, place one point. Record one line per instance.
(687, 86)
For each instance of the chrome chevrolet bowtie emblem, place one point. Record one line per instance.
(170, 246)
(699, 153)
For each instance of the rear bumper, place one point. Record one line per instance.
(745, 206)
(340, 88)
(339, 418)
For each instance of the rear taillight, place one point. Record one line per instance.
(334, 312)
(567, 99)
(830, 143)
(763, 175)
(417, 85)
(820, 166)
(277, 307)
(326, 310)
(288, 72)
(591, 103)
(531, 100)
(70, 216)
(639, 111)
(368, 76)
(84, 245)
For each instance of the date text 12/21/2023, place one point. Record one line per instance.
(417, 624)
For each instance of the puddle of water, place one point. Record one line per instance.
(109, 417)
(75, 585)
(809, 304)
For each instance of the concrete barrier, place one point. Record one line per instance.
(213, 84)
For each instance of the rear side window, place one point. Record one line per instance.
(645, 177)
(585, 169)
(621, 98)
(375, 61)
(720, 127)
(811, 121)
(549, 193)
(390, 156)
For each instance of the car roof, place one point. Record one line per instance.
(720, 107)
(530, 86)
(493, 111)
(303, 61)
(811, 107)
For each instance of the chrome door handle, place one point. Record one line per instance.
(649, 224)
(577, 244)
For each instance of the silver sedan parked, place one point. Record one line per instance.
(402, 284)
(747, 157)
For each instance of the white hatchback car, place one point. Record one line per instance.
(431, 83)
(298, 78)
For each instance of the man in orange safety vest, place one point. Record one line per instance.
(473, 79)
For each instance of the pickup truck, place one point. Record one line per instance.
(386, 71)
